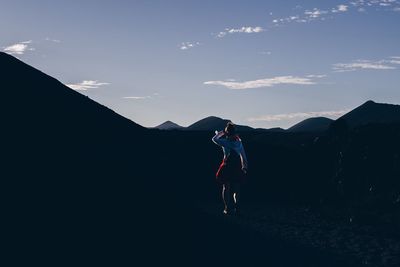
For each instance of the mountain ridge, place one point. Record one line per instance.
(371, 112)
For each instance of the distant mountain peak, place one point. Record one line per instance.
(369, 102)
(169, 125)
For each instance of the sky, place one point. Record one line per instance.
(259, 63)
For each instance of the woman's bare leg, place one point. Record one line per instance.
(236, 196)
(226, 197)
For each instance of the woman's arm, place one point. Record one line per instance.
(218, 140)
(243, 157)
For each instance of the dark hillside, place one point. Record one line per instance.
(82, 180)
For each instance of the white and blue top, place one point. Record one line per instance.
(228, 145)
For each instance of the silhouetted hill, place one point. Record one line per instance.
(38, 100)
(169, 125)
(318, 124)
(78, 175)
(371, 112)
(214, 123)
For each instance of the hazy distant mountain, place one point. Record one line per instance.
(318, 124)
(371, 112)
(275, 130)
(169, 125)
(214, 123)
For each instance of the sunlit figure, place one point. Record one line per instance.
(233, 169)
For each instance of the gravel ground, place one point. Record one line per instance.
(366, 245)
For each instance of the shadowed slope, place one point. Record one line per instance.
(35, 98)
(77, 177)
(315, 125)
(371, 112)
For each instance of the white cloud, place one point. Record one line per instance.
(136, 97)
(363, 65)
(246, 29)
(52, 40)
(85, 85)
(316, 76)
(394, 60)
(378, 4)
(310, 15)
(299, 115)
(154, 95)
(296, 18)
(340, 8)
(188, 45)
(267, 82)
(18, 48)
(315, 13)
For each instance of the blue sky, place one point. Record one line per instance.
(259, 63)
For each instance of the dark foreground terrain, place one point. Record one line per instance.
(83, 185)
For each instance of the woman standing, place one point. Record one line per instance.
(233, 169)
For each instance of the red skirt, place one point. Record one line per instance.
(230, 173)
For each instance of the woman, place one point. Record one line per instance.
(233, 169)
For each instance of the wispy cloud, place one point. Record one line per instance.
(188, 45)
(142, 97)
(340, 8)
(86, 85)
(365, 65)
(316, 76)
(266, 82)
(136, 97)
(311, 15)
(18, 48)
(394, 60)
(317, 14)
(52, 40)
(244, 29)
(362, 5)
(281, 21)
(299, 115)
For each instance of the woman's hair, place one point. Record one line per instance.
(230, 129)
